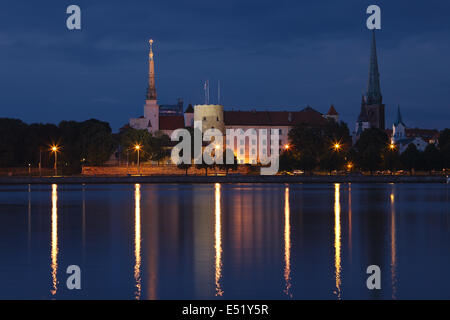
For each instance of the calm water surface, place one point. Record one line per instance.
(225, 241)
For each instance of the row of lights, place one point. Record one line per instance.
(337, 146)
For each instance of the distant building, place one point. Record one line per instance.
(372, 113)
(403, 137)
(332, 114)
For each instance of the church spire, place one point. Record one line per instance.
(399, 118)
(151, 90)
(373, 87)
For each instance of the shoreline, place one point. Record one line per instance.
(219, 179)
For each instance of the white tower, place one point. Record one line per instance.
(151, 108)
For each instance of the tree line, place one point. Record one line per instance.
(89, 142)
(330, 148)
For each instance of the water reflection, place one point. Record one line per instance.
(218, 240)
(137, 240)
(83, 221)
(54, 244)
(287, 243)
(350, 220)
(29, 224)
(393, 246)
(337, 239)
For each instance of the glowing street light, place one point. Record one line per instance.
(337, 146)
(138, 148)
(392, 146)
(349, 166)
(286, 147)
(55, 150)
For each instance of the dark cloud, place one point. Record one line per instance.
(285, 54)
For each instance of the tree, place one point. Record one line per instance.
(130, 138)
(369, 149)
(431, 158)
(411, 158)
(12, 142)
(444, 147)
(96, 142)
(158, 148)
(228, 166)
(308, 142)
(391, 159)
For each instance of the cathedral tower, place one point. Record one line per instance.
(151, 108)
(374, 100)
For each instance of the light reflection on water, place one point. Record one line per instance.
(54, 243)
(337, 239)
(225, 241)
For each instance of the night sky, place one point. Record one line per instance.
(267, 54)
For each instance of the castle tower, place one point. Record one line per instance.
(211, 117)
(332, 114)
(151, 108)
(375, 108)
(363, 121)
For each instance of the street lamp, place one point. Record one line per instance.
(138, 148)
(392, 146)
(286, 147)
(54, 149)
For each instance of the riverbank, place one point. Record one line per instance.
(220, 179)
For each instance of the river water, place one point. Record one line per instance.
(225, 241)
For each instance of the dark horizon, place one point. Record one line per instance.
(265, 55)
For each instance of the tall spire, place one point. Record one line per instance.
(363, 114)
(373, 87)
(151, 90)
(399, 118)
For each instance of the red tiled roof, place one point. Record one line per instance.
(416, 132)
(332, 111)
(274, 118)
(171, 122)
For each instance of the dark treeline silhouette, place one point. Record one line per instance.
(329, 148)
(89, 142)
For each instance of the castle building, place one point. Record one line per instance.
(167, 118)
(372, 113)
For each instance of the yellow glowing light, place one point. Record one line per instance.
(217, 146)
(218, 240)
(337, 239)
(54, 148)
(337, 146)
(287, 243)
(137, 240)
(137, 147)
(349, 166)
(393, 248)
(54, 243)
(392, 146)
(286, 147)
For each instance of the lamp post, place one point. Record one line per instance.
(138, 148)
(55, 150)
